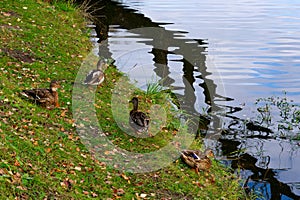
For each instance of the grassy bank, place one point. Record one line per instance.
(41, 154)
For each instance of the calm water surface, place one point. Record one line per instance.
(251, 49)
(253, 44)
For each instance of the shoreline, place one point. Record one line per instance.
(42, 154)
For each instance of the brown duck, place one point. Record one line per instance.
(138, 120)
(96, 76)
(45, 97)
(197, 159)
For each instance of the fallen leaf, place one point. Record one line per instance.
(17, 178)
(94, 194)
(6, 14)
(17, 163)
(120, 191)
(143, 195)
(125, 177)
(77, 168)
(139, 183)
(72, 172)
(97, 106)
(63, 113)
(3, 171)
(63, 184)
(22, 188)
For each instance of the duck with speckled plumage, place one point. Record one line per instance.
(46, 97)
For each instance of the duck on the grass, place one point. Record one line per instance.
(197, 159)
(46, 97)
(96, 76)
(138, 120)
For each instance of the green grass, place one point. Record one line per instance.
(42, 156)
(153, 88)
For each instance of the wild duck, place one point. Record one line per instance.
(197, 159)
(96, 76)
(138, 120)
(45, 97)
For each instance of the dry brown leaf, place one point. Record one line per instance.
(3, 171)
(6, 14)
(17, 163)
(120, 191)
(22, 188)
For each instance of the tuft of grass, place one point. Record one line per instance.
(153, 88)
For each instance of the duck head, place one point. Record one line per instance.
(54, 85)
(209, 153)
(135, 102)
(101, 65)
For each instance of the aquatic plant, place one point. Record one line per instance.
(280, 113)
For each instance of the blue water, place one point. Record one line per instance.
(253, 44)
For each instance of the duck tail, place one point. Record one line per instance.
(23, 93)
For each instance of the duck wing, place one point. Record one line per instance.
(94, 77)
(139, 118)
(188, 160)
(195, 154)
(192, 154)
(41, 95)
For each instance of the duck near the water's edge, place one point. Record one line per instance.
(197, 159)
(96, 76)
(138, 120)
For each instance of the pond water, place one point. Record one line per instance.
(232, 53)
